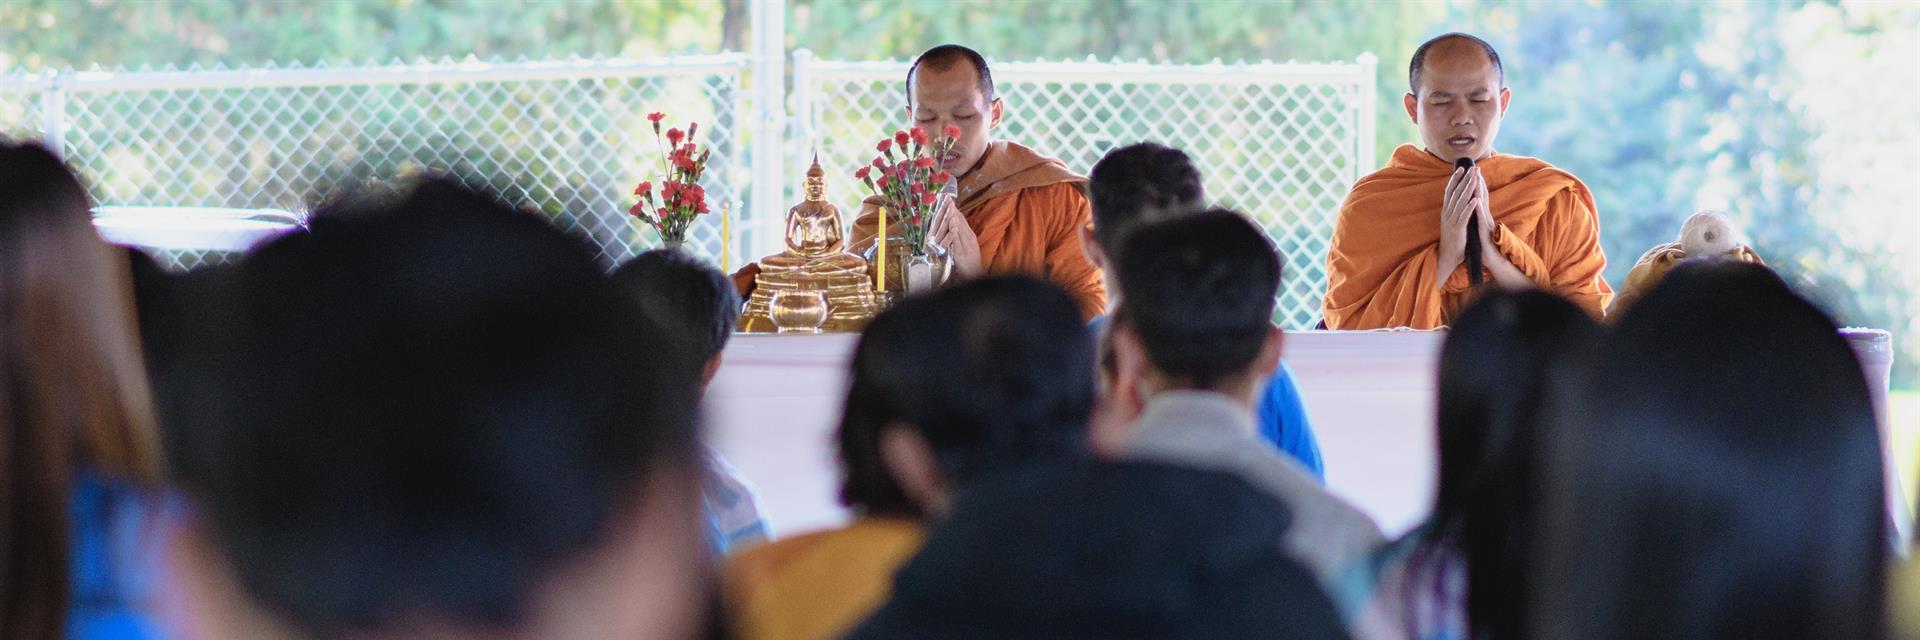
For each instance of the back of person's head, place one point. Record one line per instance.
(442, 417)
(73, 388)
(1719, 476)
(991, 374)
(1138, 185)
(1198, 293)
(683, 292)
(1095, 549)
(1494, 370)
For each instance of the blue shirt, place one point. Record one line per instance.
(113, 572)
(1282, 417)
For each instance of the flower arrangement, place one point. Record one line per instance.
(910, 181)
(681, 196)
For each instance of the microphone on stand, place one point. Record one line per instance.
(1474, 263)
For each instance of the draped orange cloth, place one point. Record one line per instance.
(1027, 209)
(1385, 251)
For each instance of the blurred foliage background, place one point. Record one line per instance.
(1795, 117)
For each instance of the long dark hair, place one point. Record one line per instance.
(73, 389)
(1493, 372)
(993, 373)
(1719, 476)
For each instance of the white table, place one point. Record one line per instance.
(776, 401)
(774, 405)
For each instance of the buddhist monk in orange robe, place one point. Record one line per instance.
(1015, 211)
(1398, 256)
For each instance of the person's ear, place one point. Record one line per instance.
(1090, 246)
(1111, 425)
(1413, 107)
(999, 109)
(1270, 349)
(910, 460)
(711, 369)
(1506, 96)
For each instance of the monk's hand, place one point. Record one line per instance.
(963, 247)
(1459, 204)
(1489, 254)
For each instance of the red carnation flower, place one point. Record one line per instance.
(645, 189)
(656, 116)
(900, 138)
(919, 136)
(923, 162)
(673, 137)
(882, 182)
(692, 127)
(927, 198)
(942, 178)
(918, 188)
(637, 209)
(953, 132)
(862, 173)
(880, 164)
(883, 146)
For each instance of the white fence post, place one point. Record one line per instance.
(53, 113)
(1365, 102)
(768, 19)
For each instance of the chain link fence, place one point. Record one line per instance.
(1281, 142)
(569, 139)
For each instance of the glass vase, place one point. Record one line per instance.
(931, 264)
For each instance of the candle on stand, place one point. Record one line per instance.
(880, 255)
(726, 235)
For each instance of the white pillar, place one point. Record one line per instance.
(768, 23)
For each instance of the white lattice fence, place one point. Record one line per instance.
(567, 138)
(1282, 142)
(20, 104)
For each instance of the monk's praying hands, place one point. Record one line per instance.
(1461, 202)
(952, 232)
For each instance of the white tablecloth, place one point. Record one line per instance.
(773, 407)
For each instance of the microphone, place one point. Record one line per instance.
(1475, 266)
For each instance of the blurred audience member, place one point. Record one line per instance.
(1464, 572)
(1107, 550)
(1719, 476)
(1193, 344)
(699, 304)
(1144, 183)
(949, 387)
(437, 420)
(81, 460)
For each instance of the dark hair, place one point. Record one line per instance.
(684, 293)
(1719, 476)
(1198, 290)
(1138, 185)
(1494, 372)
(994, 373)
(1419, 63)
(73, 388)
(425, 411)
(943, 57)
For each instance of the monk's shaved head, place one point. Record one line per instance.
(944, 58)
(1447, 45)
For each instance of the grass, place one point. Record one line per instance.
(1903, 421)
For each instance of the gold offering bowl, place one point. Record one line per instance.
(798, 311)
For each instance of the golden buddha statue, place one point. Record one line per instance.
(815, 260)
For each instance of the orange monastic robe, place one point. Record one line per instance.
(1027, 209)
(1380, 267)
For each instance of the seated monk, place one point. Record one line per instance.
(1398, 257)
(1019, 211)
